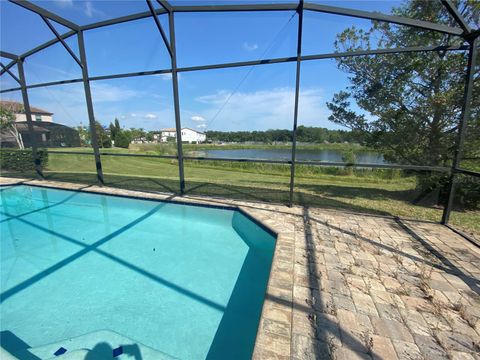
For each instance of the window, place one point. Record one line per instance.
(38, 117)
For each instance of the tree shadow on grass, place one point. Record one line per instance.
(353, 192)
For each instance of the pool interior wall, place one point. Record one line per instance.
(186, 281)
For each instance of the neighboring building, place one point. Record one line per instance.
(46, 132)
(17, 108)
(188, 135)
(157, 136)
(139, 140)
(168, 135)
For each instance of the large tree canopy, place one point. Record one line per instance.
(414, 99)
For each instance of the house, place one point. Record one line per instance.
(46, 132)
(188, 135)
(157, 136)
(17, 108)
(169, 134)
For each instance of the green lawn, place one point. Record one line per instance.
(380, 192)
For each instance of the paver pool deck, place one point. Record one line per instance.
(353, 286)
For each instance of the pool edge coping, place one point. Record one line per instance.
(277, 308)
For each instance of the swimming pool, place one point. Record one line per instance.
(84, 270)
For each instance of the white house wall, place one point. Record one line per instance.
(23, 117)
(188, 135)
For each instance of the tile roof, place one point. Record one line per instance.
(17, 107)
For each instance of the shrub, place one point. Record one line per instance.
(122, 139)
(467, 190)
(21, 160)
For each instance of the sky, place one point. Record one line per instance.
(245, 98)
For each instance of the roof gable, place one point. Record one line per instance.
(17, 108)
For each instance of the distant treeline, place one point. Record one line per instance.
(304, 134)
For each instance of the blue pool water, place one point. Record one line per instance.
(187, 281)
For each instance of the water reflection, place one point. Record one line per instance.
(285, 154)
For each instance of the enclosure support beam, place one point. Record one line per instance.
(41, 11)
(166, 5)
(10, 73)
(412, 49)
(176, 102)
(8, 55)
(456, 15)
(59, 37)
(383, 17)
(28, 114)
(297, 93)
(235, 7)
(47, 44)
(88, 99)
(122, 19)
(159, 27)
(8, 66)
(462, 127)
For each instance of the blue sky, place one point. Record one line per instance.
(264, 95)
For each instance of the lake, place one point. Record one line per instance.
(285, 154)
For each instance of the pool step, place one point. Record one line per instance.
(98, 345)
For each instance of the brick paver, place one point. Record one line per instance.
(351, 286)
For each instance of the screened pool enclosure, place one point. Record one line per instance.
(173, 71)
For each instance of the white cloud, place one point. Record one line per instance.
(197, 118)
(85, 6)
(265, 109)
(63, 3)
(105, 93)
(90, 11)
(168, 76)
(201, 126)
(101, 93)
(133, 115)
(250, 47)
(150, 116)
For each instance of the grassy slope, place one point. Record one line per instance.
(367, 193)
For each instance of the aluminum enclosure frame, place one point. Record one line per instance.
(469, 36)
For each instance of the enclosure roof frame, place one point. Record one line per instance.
(375, 16)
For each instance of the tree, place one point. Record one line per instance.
(111, 127)
(115, 129)
(304, 134)
(103, 139)
(123, 139)
(84, 133)
(415, 98)
(7, 124)
(137, 133)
